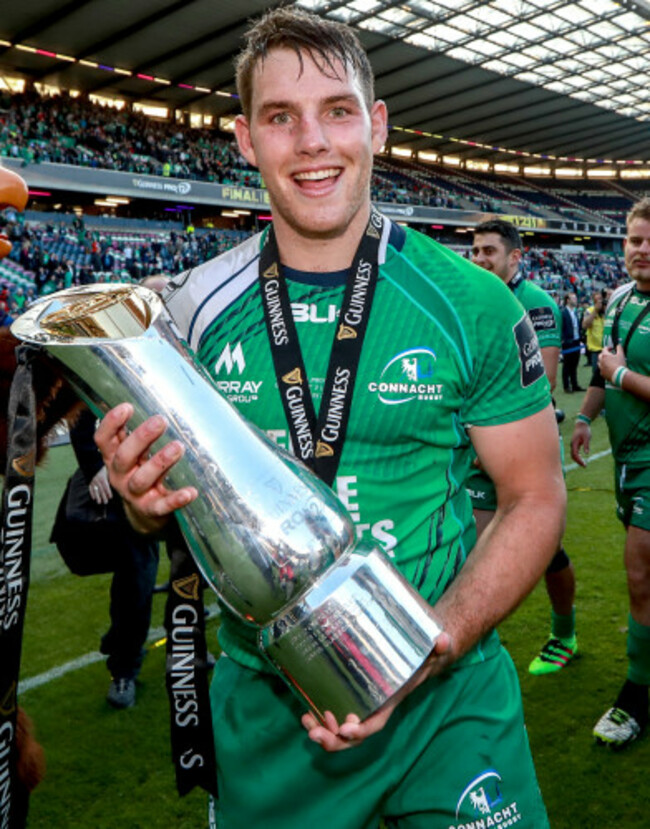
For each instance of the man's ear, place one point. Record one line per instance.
(243, 135)
(379, 125)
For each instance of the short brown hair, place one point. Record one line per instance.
(640, 210)
(506, 230)
(325, 41)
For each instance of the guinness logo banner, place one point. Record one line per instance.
(24, 466)
(186, 677)
(15, 549)
(188, 587)
(293, 382)
(8, 702)
(323, 450)
(346, 333)
(293, 377)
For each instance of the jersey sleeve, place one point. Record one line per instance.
(508, 381)
(544, 315)
(197, 297)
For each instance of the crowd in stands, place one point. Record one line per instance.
(405, 191)
(560, 272)
(67, 130)
(56, 257)
(73, 130)
(49, 257)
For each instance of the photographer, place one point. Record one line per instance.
(593, 323)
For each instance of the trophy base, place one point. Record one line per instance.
(355, 639)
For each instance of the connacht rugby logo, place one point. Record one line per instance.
(408, 376)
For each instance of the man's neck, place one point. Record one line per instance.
(507, 279)
(510, 276)
(319, 254)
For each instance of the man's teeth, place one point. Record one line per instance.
(317, 175)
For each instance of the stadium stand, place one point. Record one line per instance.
(53, 250)
(48, 256)
(36, 129)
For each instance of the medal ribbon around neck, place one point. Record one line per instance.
(318, 441)
(643, 313)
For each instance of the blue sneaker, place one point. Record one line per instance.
(121, 692)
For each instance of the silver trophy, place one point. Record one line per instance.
(344, 628)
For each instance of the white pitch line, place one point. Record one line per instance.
(589, 459)
(59, 671)
(155, 634)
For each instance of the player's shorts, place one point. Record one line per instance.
(482, 491)
(454, 752)
(633, 495)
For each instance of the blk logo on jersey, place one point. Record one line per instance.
(309, 312)
(530, 356)
(408, 376)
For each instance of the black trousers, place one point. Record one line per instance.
(130, 607)
(570, 362)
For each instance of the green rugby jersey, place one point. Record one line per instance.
(447, 347)
(628, 417)
(543, 312)
(546, 319)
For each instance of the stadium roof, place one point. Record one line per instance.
(527, 79)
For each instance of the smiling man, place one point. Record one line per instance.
(621, 384)
(394, 392)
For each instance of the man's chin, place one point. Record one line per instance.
(324, 234)
(324, 229)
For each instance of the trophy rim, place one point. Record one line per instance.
(28, 327)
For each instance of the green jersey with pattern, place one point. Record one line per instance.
(542, 311)
(628, 417)
(546, 319)
(447, 347)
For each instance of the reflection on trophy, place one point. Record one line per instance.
(344, 628)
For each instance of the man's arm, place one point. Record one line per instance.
(610, 362)
(551, 357)
(612, 366)
(523, 460)
(592, 405)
